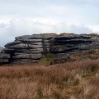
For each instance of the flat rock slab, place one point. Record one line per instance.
(22, 37)
(4, 56)
(28, 51)
(12, 43)
(36, 36)
(19, 61)
(23, 46)
(71, 36)
(8, 50)
(62, 48)
(30, 40)
(35, 43)
(4, 60)
(27, 56)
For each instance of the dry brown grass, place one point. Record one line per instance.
(66, 34)
(93, 34)
(71, 80)
(49, 34)
(85, 55)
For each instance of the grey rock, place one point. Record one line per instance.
(31, 47)
(35, 46)
(40, 50)
(12, 43)
(36, 43)
(46, 50)
(71, 36)
(4, 56)
(48, 36)
(45, 41)
(4, 61)
(36, 36)
(8, 50)
(47, 44)
(84, 47)
(18, 46)
(61, 49)
(22, 37)
(21, 61)
(23, 45)
(37, 49)
(28, 51)
(27, 56)
(31, 40)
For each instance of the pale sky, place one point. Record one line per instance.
(23, 17)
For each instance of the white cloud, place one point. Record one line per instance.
(18, 27)
(22, 17)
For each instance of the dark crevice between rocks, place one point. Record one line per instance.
(11, 56)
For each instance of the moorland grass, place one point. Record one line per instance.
(70, 80)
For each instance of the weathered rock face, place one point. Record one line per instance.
(27, 48)
(30, 48)
(72, 43)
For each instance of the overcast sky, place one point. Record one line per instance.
(22, 17)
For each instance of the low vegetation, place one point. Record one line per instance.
(70, 80)
(85, 55)
(47, 59)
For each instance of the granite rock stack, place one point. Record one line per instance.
(25, 49)
(68, 43)
(31, 48)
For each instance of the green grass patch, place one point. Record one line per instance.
(47, 59)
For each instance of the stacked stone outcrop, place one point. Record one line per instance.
(24, 49)
(66, 44)
(31, 48)
(27, 48)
